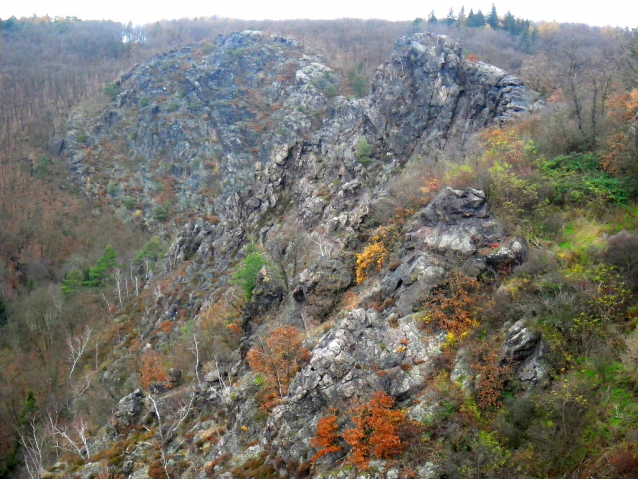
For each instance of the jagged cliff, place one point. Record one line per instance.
(252, 116)
(250, 139)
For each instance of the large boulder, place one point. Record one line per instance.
(523, 350)
(128, 411)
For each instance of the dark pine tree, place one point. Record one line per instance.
(450, 19)
(492, 18)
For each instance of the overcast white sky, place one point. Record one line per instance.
(623, 13)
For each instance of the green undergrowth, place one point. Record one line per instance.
(579, 179)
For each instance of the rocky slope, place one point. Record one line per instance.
(251, 139)
(252, 116)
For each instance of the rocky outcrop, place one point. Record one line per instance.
(256, 122)
(523, 350)
(368, 351)
(128, 411)
(387, 349)
(252, 134)
(318, 287)
(455, 231)
(428, 94)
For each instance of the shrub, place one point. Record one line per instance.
(326, 438)
(161, 212)
(452, 306)
(276, 358)
(111, 90)
(152, 369)
(129, 203)
(111, 188)
(41, 169)
(578, 178)
(362, 151)
(376, 430)
(375, 252)
(512, 197)
(373, 255)
(622, 252)
(246, 276)
(174, 106)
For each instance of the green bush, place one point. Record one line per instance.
(578, 179)
(362, 151)
(111, 188)
(359, 87)
(246, 276)
(41, 169)
(111, 90)
(161, 212)
(129, 203)
(172, 107)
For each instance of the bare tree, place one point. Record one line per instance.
(77, 345)
(73, 438)
(34, 442)
(167, 425)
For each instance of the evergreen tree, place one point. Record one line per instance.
(480, 19)
(432, 18)
(471, 19)
(449, 20)
(72, 282)
(99, 274)
(492, 18)
(461, 20)
(509, 23)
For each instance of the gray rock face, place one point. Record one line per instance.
(128, 411)
(254, 123)
(318, 286)
(523, 349)
(427, 93)
(364, 353)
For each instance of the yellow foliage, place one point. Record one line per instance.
(376, 252)
(373, 255)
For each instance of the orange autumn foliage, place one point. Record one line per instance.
(454, 308)
(326, 438)
(152, 369)
(376, 430)
(275, 357)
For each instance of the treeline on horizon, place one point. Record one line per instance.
(508, 23)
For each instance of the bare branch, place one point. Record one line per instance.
(77, 344)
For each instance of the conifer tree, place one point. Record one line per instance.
(492, 18)
(99, 274)
(471, 18)
(509, 23)
(480, 19)
(450, 18)
(461, 20)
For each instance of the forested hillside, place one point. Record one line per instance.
(287, 249)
